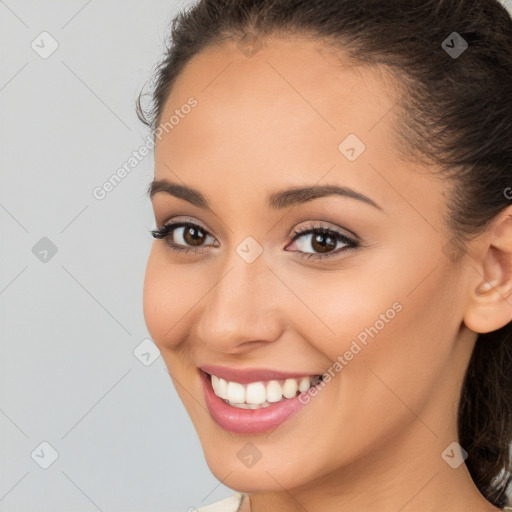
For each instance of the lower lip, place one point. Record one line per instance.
(248, 421)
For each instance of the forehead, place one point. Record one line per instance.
(280, 117)
(286, 82)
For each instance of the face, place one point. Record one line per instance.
(351, 282)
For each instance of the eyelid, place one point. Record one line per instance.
(185, 218)
(314, 225)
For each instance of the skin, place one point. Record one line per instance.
(372, 439)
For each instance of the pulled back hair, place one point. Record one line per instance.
(454, 114)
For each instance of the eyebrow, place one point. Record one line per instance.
(277, 200)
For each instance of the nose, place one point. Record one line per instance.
(243, 310)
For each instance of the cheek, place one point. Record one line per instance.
(170, 292)
(373, 297)
(398, 321)
(346, 305)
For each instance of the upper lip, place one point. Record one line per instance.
(246, 375)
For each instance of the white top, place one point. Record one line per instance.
(229, 504)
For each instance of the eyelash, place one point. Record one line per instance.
(165, 231)
(351, 243)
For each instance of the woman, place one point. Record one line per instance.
(331, 281)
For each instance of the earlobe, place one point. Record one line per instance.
(490, 303)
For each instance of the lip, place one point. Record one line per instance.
(249, 421)
(245, 376)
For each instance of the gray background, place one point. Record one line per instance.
(71, 321)
(69, 326)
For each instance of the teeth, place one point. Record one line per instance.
(274, 391)
(220, 386)
(236, 392)
(305, 383)
(290, 388)
(260, 394)
(255, 393)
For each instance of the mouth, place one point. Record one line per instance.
(255, 406)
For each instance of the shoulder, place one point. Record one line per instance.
(229, 504)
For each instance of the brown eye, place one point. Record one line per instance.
(323, 242)
(193, 235)
(184, 236)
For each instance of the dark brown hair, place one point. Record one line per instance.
(455, 113)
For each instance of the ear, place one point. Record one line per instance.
(490, 301)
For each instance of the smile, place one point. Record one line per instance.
(253, 401)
